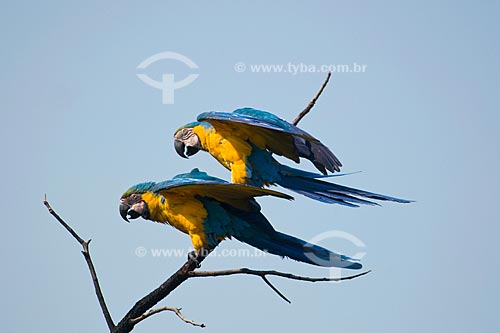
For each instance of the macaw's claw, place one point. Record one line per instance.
(193, 257)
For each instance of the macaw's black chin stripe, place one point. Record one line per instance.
(145, 212)
(190, 151)
(132, 214)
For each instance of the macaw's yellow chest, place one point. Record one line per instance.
(229, 148)
(185, 213)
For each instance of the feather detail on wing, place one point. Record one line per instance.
(199, 184)
(268, 131)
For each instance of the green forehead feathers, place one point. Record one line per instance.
(139, 189)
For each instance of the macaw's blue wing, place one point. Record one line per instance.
(253, 228)
(266, 130)
(199, 184)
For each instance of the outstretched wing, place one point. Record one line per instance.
(199, 184)
(268, 131)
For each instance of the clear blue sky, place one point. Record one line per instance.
(422, 122)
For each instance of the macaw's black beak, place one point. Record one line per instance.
(124, 211)
(128, 213)
(179, 148)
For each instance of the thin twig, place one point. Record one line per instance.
(90, 264)
(264, 274)
(313, 101)
(177, 311)
(64, 224)
(280, 294)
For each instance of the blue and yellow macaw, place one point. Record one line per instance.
(209, 210)
(243, 141)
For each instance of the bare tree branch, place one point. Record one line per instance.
(313, 101)
(147, 302)
(90, 264)
(249, 271)
(264, 274)
(177, 311)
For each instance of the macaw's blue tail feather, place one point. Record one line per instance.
(288, 246)
(320, 190)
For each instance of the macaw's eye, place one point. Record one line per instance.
(134, 198)
(132, 214)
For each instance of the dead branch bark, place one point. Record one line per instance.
(313, 101)
(90, 264)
